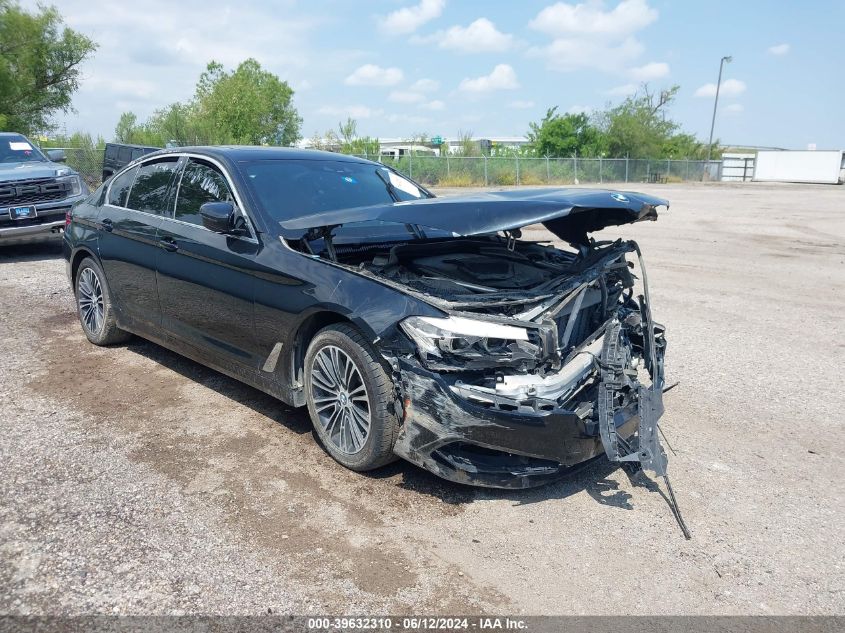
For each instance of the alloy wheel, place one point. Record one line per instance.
(90, 298)
(340, 399)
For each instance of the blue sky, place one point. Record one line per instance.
(442, 66)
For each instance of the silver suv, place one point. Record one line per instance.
(36, 191)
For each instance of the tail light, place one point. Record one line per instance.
(68, 218)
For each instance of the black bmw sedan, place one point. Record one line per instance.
(412, 326)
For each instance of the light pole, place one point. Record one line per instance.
(726, 58)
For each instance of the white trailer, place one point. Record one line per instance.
(812, 166)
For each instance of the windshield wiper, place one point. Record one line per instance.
(391, 189)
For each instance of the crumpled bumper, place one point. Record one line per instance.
(469, 443)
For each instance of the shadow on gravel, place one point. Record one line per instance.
(592, 477)
(296, 420)
(30, 252)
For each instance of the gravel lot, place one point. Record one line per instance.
(135, 481)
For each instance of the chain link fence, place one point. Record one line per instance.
(463, 171)
(87, 161)
(458, 171)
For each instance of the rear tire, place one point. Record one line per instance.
(350, 398)
(94, 305)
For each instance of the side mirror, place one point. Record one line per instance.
(221, 217)
(57, 155)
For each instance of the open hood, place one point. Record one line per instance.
(568, 213)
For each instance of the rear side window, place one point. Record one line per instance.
(120, 187)
(149, 193)
(201, 183)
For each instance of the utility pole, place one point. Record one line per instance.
(728, 59)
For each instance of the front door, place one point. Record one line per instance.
(128, 240)
(205, 279)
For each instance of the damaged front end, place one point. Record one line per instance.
(544, 360)
(550, 387)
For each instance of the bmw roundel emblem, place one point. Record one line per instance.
(619, 197)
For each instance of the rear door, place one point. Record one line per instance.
(205, 279)
(128, 241)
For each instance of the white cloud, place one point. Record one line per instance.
(623, 90)
(434, 105)
(579, 109)
(405, 118)
(354, 111)
(779, 49)
(481, 36)
(734, 108)
(730, 88)
(590, 18)
(403, 96)
(372, 75)
(160, 42)
(425, 85)
(576, 54)
(649, 72)
(132, 88)
(502, 77)
(591, 36)
(521, 104)
(409, 19)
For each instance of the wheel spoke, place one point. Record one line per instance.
(90, 301)
(361, 419)
(332, 421)
(325, 371)
(357, 433)
(340, 400)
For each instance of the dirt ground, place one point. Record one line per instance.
(135, 481)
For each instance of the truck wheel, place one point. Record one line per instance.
(94, 305)
(350, 398)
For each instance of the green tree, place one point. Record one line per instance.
(127, 130)
(39, 67)
(565, 135)
(687, 146)
(348, 131)
(639, 126)
(248, 106)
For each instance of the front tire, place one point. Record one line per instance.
(350, 399)
(94, 305)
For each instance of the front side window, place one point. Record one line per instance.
(119, 191)
(200, 183)
(149, 193)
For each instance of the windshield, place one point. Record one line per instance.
(295, 188)
(16, 149)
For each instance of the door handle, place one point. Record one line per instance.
(168, 244)
(107, 225)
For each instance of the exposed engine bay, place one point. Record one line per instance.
(552, 307)
(533, 328)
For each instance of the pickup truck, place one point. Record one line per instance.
(117, 155)
(37, 192)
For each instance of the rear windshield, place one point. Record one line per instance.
(17, 149)
(293, 188)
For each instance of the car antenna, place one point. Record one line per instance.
(673, 504)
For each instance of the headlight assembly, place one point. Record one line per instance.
(75, 183)
(461, 343)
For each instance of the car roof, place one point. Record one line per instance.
(238, 153)
(15, 134)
